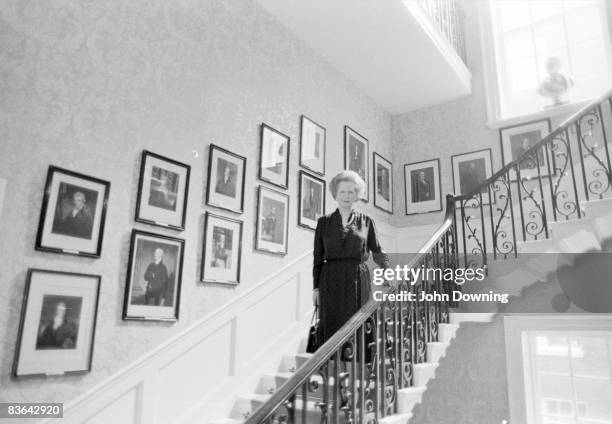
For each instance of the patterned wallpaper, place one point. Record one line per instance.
(87, 85)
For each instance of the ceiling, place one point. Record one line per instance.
(388, 48)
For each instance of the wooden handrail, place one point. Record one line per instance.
(323, 354)
(561, 128)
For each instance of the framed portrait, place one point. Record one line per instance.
(274, 157)
(162, 191)
(154, 275)
(226, 173)
(58, 323)
(73, 213)
(422, 187)
(471, 169)
(383, 183)
(517, 139)
(222, 249)
(356, 154)
(272, 221)
(311, 200)
(312, 146)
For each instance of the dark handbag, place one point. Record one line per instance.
(315, 337)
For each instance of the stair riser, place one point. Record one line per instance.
(422, 375)
(436, 351)
(446, 332)
(407, 400)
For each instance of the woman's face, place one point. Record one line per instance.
(346, 194)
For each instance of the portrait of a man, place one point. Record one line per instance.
(222, 248)
(74, 213)
(520, 143)
(471, 173)
(156, 279)
(273, 221)
(383, 181)
(59, 322)
(226, 178)
(164, 188)
(311, 200)
(422, 185)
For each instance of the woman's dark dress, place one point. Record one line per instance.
(340, 271)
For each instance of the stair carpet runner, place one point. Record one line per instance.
(407, 398)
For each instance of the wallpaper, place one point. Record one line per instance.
(87, 85)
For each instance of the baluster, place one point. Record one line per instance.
(336, 410)
(376, 367)
(305, 401)
(584, 178)
(465, 252)
(493, 238)
(509, 185)
(519, 186)
(549, 151)
(484, 237)
(571, 166)
(605, 143)
(353, 391)
(380, 341)
(362, 379)
(543, 211)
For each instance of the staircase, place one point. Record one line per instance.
(245, 405)
(533, 227)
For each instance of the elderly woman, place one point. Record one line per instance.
(343, 240)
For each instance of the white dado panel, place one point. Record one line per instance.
(196, 373)
(187, 378)
(125, 406)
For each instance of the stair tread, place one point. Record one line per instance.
(255, 396)
(393, 419)
(425, 365)
(413, 389)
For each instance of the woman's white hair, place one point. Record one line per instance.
(348, 176)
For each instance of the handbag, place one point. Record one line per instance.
(315, 336)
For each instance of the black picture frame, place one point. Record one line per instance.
(380, 202)
(59, 231)
(530, 131)
(142, 209)
(237, 241)
(217, 198)
(265, 153)
(307, 126)
(128, 304)
(484, 154)
(30, 296)
(307, 219)
(425, 206)
(359, 162)
(271, 246)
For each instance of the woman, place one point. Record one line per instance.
(341, 245)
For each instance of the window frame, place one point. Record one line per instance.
(520, 409)
(491, 77)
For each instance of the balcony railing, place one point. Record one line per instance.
(546, 184)
(447, 16)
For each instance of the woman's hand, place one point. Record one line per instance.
(315, 297)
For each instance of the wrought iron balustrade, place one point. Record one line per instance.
(546, 184)
(447, 16)
(355, 376)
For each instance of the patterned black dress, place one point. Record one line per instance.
(339, 269)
